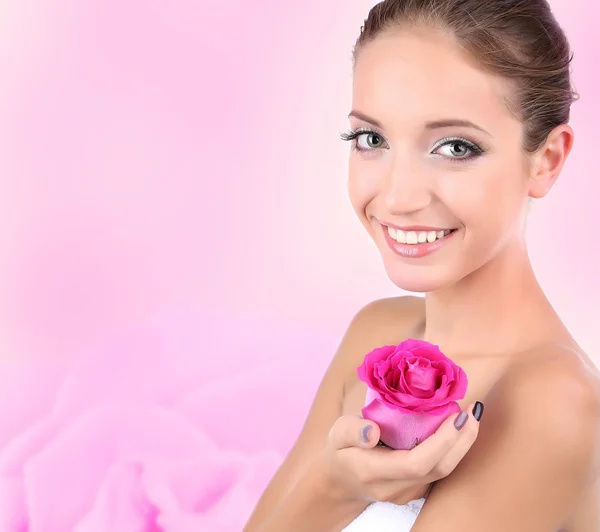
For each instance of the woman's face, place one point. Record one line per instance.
(437, 151)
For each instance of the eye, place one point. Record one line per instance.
(365, 140)
(371, 141)
(459, 149)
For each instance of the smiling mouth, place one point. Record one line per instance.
(417, 237)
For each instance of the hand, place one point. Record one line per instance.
(355, 469)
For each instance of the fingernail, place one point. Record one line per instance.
(364, 433)
(460, 421)
(478, 410)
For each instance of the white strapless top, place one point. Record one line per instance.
(387, 517)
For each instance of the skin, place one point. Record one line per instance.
(483, 305)
(403, 81)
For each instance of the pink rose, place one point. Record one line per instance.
(412, 388)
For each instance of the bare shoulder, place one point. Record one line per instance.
(536, 454)
(380, 322)
(375, 324)
(561, 390)
(556, 376)
(553, 394)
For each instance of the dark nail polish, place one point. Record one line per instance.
(364, 433)
(478, 410)
(460, 421)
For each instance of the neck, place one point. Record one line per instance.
(487, 312)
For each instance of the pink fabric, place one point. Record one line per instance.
(168, 427)
(412, 388)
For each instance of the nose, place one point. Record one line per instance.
(405, 189)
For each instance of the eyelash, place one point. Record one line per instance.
(476, 151)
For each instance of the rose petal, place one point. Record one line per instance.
(410, 344)
(414, 375)
(443, 392)
(366, 369)
(430, 352)
(421, 381)
(400, 429)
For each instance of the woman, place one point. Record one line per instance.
(460, 117)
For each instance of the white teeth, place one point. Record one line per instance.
(416, 237)
(411, 237)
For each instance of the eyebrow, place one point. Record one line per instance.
(437, 124)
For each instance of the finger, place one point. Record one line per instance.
(468, 436)
(353, 431)
(423, 458)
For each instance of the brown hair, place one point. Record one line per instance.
(519, 40)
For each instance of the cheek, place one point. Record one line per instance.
(487, 203)
(362, 187)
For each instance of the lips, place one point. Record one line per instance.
(416, 243)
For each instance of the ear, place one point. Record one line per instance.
(549, 160)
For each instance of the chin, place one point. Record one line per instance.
(417, 279)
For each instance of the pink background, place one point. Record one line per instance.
(164, 160)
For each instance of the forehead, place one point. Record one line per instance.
(419, 74)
